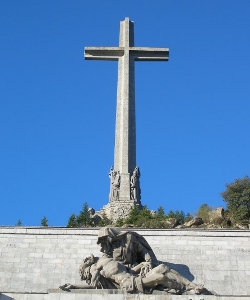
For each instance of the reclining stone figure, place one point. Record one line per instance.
(105, 271)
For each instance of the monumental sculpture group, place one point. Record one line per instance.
(128, 262)
(125, 192)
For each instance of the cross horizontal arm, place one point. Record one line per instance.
(103, 53)
(149, 54)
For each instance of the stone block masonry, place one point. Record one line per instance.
(35, 260)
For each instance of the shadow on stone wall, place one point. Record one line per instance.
(182, 269)
(4, 297)
(185, 272)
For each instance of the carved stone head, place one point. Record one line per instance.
(84, 269)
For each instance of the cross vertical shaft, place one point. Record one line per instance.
(125, 135)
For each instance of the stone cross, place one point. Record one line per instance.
(125, 134)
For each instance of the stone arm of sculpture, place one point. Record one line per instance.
(95, 275)
(144, 252)
(142, 268)
(133, 181)
(69, 286)
(105, 267)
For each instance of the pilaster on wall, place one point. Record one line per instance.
(36, 259)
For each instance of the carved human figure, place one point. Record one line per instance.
(129, 248)
(94, 216)
(112, 174)
(114, 184)
(95, 271)
(135, 184)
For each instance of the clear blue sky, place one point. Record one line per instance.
(57, 111)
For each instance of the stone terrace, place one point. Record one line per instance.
(34, 260)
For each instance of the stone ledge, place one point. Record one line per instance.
(145, 232)
(89, 294)
(156, 294)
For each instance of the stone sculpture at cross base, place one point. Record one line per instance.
(125, 192)
(128, 263)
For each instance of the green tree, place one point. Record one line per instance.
(44, 222)
(171, 214)
(160, 215)
(144, 218)
(145, 213)
(203, 212)
(105, 221)
(133, 216)
(72, 221)
(119, 223)
(188, 217)
(19, 223)
(237, 197)
(84, 219)
(178, 215)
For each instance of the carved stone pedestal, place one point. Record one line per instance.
(119, 209)
(57, 294)
(82, 294)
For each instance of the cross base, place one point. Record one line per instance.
(119, 209)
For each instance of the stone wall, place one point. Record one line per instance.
(33, 260)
